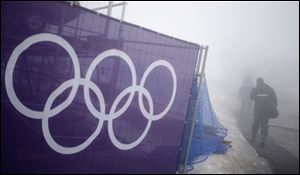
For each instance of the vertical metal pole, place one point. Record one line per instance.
(109, 9)
(203, 65)
(198, 61)
(193, 122)
(190, 140)
(194, 117)
(123, 11)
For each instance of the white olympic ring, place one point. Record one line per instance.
(87, 84)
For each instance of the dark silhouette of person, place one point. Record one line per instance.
(263, 95)
(244, 93)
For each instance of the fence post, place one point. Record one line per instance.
(198, 76)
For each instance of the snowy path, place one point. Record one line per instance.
(241, 158)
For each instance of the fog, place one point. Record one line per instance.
(260, 39)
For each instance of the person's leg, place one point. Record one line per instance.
(255, 127)
(264, 130)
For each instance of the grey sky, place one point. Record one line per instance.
(241, 35)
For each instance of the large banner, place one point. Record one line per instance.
(83, 92)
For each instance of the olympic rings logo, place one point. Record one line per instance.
(86, 82)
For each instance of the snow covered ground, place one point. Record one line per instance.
(241, 158)
(286, 138)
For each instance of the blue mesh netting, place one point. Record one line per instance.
(208, 134)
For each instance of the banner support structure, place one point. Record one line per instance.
(198, 79)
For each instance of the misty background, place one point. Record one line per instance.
(260, 39)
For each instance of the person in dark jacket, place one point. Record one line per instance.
(263, 95)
